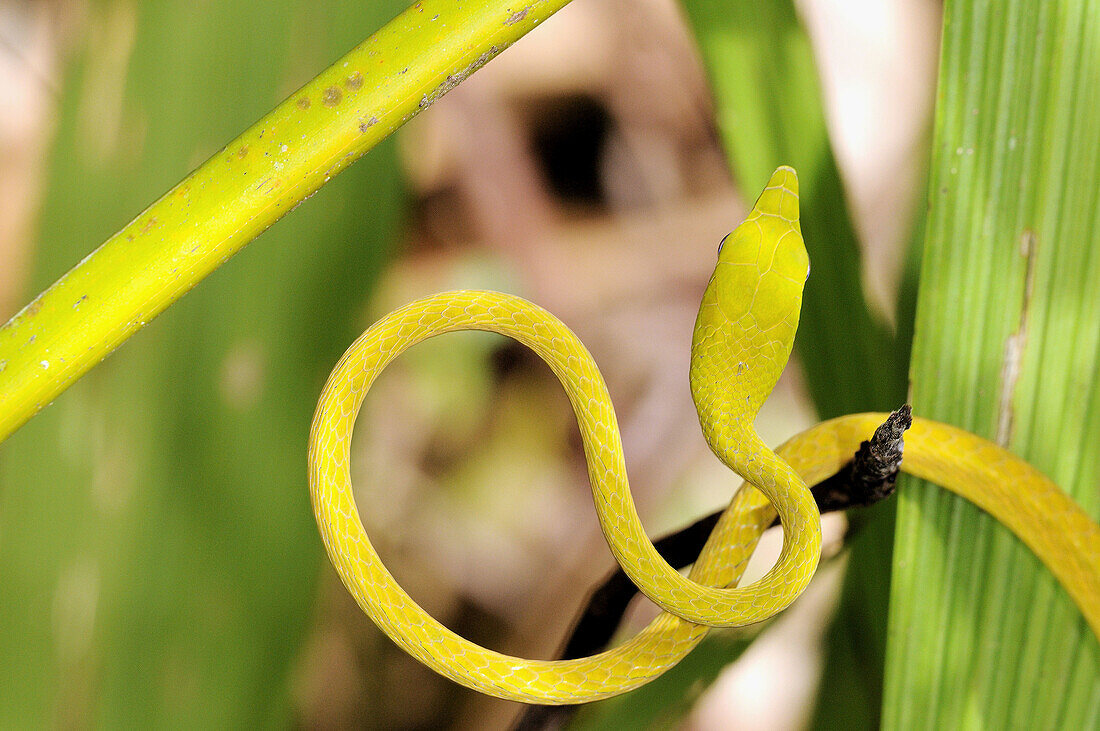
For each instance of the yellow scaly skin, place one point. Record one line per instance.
(742, 340)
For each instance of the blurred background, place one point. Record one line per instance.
(158, 555)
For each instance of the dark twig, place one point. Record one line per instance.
(871, 475)
(868, 478)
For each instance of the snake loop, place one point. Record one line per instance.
(742, 340)
(641, 659)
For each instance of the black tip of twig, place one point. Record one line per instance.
(875, 468)
(898, 421)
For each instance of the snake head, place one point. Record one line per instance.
(747, 321)
(762, 266)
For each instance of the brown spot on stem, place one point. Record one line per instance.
(517, 16)
(243, 152)
(303, 103)
(331, 96)
(455, 79)
(269, 185)
(354, 81)
(1014, 346)
(367, 123)
(149, 225)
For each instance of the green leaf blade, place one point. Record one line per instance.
(1007, 345)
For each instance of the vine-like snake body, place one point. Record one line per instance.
(742, 340)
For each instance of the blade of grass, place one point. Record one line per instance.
(850, 691)
(1007, 345)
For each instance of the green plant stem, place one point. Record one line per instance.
(247, 186)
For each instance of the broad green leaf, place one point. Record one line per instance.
(157, 551)
(1007, 345)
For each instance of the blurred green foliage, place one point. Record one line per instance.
(157, 550)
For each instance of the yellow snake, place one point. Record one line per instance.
(742, 340)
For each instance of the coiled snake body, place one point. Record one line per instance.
(743, 338)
